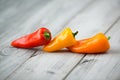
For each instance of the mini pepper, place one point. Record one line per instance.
(38, 38)
(96, 44)
(64, 39)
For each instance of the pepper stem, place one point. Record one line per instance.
(74, 34)
(108, 37)
(47, 35)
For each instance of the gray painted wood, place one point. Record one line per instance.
(101, 66)
(99, 16)
(57, 17)
(11, 59)
(88, 17)
(27, 22)
(96, 18)
(15, 13)
(46, 66)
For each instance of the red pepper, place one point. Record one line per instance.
(38, 38)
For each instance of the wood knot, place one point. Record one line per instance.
(87, 60)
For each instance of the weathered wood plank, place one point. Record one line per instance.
(99, 16)
(39, 17)
(12, 16)
(57, 17)
(57, 66)
(11, 59)
(101, 66)
(46, 66)
(14, 13)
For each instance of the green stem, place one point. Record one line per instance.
(47, 35)
(74, 34)
(108, 37)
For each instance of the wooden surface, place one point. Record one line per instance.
(20, 17)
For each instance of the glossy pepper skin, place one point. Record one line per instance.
(96, 44)
(64, 39)
(38, 38)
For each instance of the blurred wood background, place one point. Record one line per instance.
(21, 17)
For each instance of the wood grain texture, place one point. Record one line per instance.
(89, 17)
(29, 24)
(101, 66)
(11, 59)
(96, 18)
(57, 17)
(99, 16)
(13, 15)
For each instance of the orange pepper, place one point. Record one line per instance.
(96, 44)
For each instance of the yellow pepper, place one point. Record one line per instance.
(64, 39)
